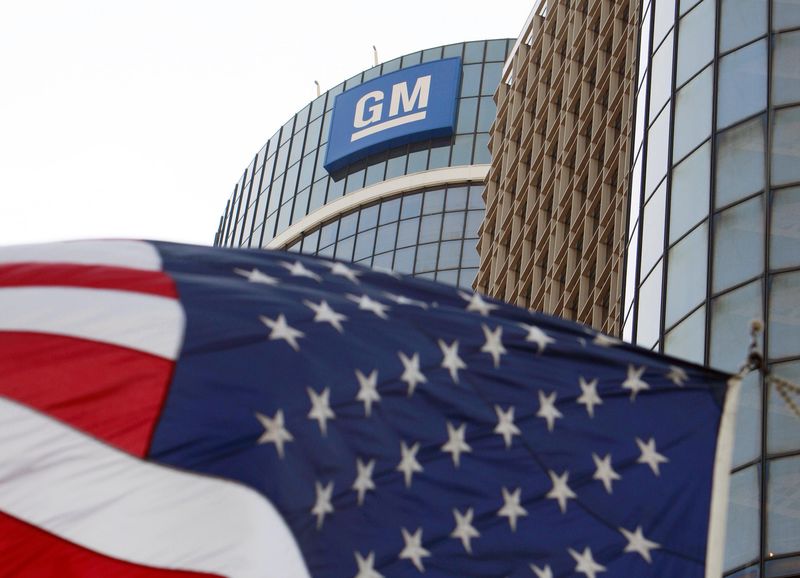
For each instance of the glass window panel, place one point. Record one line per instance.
(344, 249)
(327, 234)
(448, 277)
(365, 243)
(467, 113)
(657, 149)
(690, 183)
(470, 256)
(741, 544)
(300, 205)
(785, 229)
(741, 21)
(462, 150)
(390, 66)
(375, 173)
(396, 165)
(630, 271)
(404, 260)
(781, 567)
(470, 80)
(319, 170)
(742, 84)
(297, 147)
(738, 244)
(785, 14)
(687, 339)
(347, 225)
(783, 506)
(390, 211)
(275, 194)
(426, 257)
(661, 78)
(731, 315)
(692, 114)
(784, 315)
(430, 228)
(383, 261)
(327, 251)
(290, 182)
(747, 434)
(412, 206)
(644, 45)
(294, 247)
(491, 77)
(695, 41)
(481, 154)
(368, 218)
(664, 17)
(474, 220)
(456, 198)
(284, 217)
(434, 202)
(411, 59)
(310, 242)
(269, 228)
(466, 278)
(439, 155)
(453, 227)
(407, 232)
(496, 50)
(740, 161)
(476, 197)
(653, 229)
(317, 106)
(318, 191)
(486, 115)
(417, 159)
(783, 425)
(386, 237)
(786, 68)
(786, 146)
(473, 51)
(686, 280)
(306, 172)
(686, 5)
(649, 310)
(355, 181)
(449, 254)
(635, 196)
(431, 54)
(453, 50)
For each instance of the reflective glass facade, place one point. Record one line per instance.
(286, 181)
(714, 235)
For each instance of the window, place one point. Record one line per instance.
(784, 321)
(695, 41)
(648, 321)
(741, 544)
(731, 315)
(742, 84)
(783, 519)
(740, 162)
(786, 69)
(740, 22)
(738, 243)
(686, 280)
(690, 183)
(786, 146)
(692, 114)
(785, 229)
(686, 340)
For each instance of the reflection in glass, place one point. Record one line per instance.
(653, 229)
(742, 84)
(783, 433)
(785, 229)
(430, 228)
(661, 78)
(686, 279)
(690, 183)
(786, 69)
(407, 232)
(747, 434)
(649, 310)
(784, 315)
(741, 543)
(434, 202)
(786, 146)
(785, 14)
(687, 339)
(783, 515)
(738, 243)
(692, 114)
(740, 162)
(740, 22)
(664, 17)
(449, 254)
(467, 113)
(731, 315)
(657, 149)
(695, 41)
(426, 257)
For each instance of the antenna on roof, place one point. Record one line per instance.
(317, 83)
(374, 55)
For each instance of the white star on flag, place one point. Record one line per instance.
(604, 472)
(585, 563)
(365, 303)
(464, 529)
(677, 375)
(511, 508)
(548, 410)
(413, 549)
(638, 543)
(256, 276)
(561, 491)
(537, 336)
(274, 431)
(634, 382)
(321, 408)
(297, 269)
(494, 343)
(450, 360)
(589, 397)
(411, 372)
(545, 572)
(363, 482)
(403, 300)
(323, 504)
(339, 268)
(280, 329)
(477, 303)
(324, 314)
(603, 340)
(366, 566)
(408, 462)
(650, 455)
(455, 442)
(368, 390)
(505, 424)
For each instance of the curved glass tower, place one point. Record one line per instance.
(714, 234)
(414, 207)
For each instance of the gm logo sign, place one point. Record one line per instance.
(409, 105)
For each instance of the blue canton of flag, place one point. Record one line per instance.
(397, 427)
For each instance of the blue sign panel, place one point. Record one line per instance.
(409, 105)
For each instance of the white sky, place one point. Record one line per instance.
(135, 118)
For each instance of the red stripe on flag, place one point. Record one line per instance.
(112, 393)
(34, 274)
(28, 552)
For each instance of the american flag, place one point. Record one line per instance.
(172, 410)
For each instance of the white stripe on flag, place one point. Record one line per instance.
(148, 323)
(130, 254)
(81, 490)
